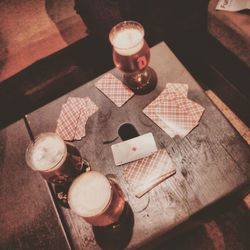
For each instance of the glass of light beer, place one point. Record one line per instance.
(57, 161)
(131, 55)
(96, 198)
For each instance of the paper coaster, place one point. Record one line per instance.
(114, 89)
(144, 174)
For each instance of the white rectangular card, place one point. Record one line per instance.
(233, 5)
(133, 149)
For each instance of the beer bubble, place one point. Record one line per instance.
(128, 41)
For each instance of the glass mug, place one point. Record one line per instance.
(57, 161)
(131, 55)
(96, 198)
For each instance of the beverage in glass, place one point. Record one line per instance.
(131, 55)
(96, 198)
(57, 161)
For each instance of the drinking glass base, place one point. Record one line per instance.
(141, 84)
(117, 235)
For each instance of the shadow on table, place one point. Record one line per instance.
(118, 236)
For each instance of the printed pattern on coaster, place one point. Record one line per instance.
(73, 117)
(145, 174)
(68, 119)
(173, 112)
(114, 89)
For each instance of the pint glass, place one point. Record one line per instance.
(131, 55)
(96, 198)
(57, 161)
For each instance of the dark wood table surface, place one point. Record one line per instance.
(212, 161)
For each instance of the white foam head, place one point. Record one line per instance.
(127, 38)
(89, 194)
(46, 152)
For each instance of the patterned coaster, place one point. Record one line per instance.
(114, 89)
(145, 174)
(68, 119)
(73, 117)
(171, 91)
(173, 112)
(87, 108)
(180, 88)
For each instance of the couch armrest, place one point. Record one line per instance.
(231, 29)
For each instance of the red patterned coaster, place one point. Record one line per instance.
(114, 89)
(173, 112)
(151, 111)
(90, 106)
(80, 128)
(192, 108)
(87, 108)
(179, 88)
(145, 174)
(68, 119)
(171, 91)
(73, 117)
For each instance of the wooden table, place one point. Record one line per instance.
(212, 161)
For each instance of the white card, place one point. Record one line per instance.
(133, 149)
(233, 5)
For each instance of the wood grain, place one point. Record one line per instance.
(28, 219)
(212, 161)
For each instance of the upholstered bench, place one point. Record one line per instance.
(231, 29)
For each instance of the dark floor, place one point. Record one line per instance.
(227, 230)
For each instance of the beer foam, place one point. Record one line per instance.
(128, 41)
(46, 152)
(89, 194)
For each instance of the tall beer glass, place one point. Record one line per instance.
(58, 162)
(96, 198)
(131, 55)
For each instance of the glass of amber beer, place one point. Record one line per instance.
(96, 198)
(131, 55)
(57, 161)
